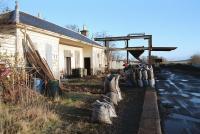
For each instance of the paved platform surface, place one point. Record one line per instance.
(150, 119)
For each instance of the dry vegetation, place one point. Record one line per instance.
(195, 59)
(35, 118)
(70, 115)
(75, 107)
(22, 110)
(75, 112)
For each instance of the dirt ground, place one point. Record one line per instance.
(129, 111)
(75, 109)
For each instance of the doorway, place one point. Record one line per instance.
(87, 65)
(68, 66)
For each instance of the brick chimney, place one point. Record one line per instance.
(16, 11)
(84, 31)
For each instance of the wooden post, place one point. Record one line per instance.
(150, 48)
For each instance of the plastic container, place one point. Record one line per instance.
(53, 88)
(38, 85)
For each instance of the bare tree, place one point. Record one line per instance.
(100, 34)
(4, 6)
(113, 55)
(73, 27)
(5, 10)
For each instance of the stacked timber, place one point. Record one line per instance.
(33, 57)
(52, 86)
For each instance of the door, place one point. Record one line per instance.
(68, 66)
(87, 65)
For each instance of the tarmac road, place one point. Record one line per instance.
(181, 94)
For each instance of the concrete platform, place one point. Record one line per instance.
(150, 119)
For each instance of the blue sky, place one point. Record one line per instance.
(171, 22)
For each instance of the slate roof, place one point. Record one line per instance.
(7, 18)
(24, 18)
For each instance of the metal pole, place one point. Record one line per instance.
(127, 54)
(150, 48)
(107, 54)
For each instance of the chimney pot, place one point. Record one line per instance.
(16, 11)
(16, 5)
(39, 15)
(84, 31)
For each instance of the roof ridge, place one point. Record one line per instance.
(3, 13)
(21, 12)
(8, 17)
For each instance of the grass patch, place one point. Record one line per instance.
(70, 115)
(92, 85)
(75, 111)
(32, 120)
(29, 115)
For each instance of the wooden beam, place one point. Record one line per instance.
(144, 48)
(121, 38)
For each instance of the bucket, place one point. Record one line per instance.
(53, 88)
(38, 85)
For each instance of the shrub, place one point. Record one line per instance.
(195, 59)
